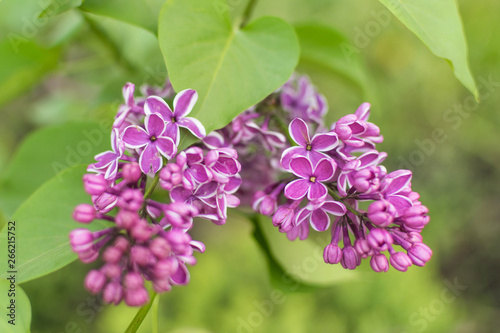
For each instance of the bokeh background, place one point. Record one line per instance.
(72, 68)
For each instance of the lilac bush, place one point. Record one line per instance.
(277, 157)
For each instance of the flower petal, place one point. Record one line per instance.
(324, 169)
(325, 141)
(334, 208)
(150, 160)
(287, 155)
(184, 102)
(396, 181)
(193, 125)
(156, 105)
(155, 126)
(301, 167)
(320, 221)
(400, 202)
(181, 276)
(317, 192)
(135, 137)
(166, 146)
(297, 189)
(299, 132)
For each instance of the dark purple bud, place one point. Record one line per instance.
(94, 184)
(136, 297)
(112, 255)
(133, 280)
(126, 219)
(132, 172)
(113, 293)
(379, 239)
(379, 263)
(165, 268)
(350, 258)
(94, 281)
(332, 254)
(363, 248)
(84, 213)
(283, 218)
(400, 261)
(419, 254)
(112, 271)
(381, 213)
(160, 248)
(140, 255)
(105, 202)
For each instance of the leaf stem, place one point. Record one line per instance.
(148, 193)
(336, 197)
(248, 12)
(141, 314)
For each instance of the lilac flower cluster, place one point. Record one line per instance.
(148, 239)
(319, 177)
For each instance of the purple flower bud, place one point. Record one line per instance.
(161, 285)
(363, 248)
(88, 256)
(133, 280)
(94, 281)
(142, 231)
(126, 219)
(160, 248)
(414, 217)
(81, 240)
(366, 180)
(131, 199)
(113, 292)
(419, 254)
(413, 237)
(84, 213)
(379, 263)
(165, 267)
(112, 255)
(121, 243)
(112, 271)
(379, 239)
(132, 172)
(136, 297)
(400, 261)
(94, 184)
(332, 254)
(105, 202)
(350, 259)
(283, 218)
(140, 255)
(381, 213)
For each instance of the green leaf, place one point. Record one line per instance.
(142, 13)
(322, 46)
(56, 7)
(140, 315)
(27, 64)
(45, 153)
(43, 223)
(438, 25)
(301, 261)
(22, 309)
(231, 68)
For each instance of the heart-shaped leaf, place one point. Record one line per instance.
(438, 25)
(43, 223)
(231, 68)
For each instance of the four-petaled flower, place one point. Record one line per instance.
(154, 139)
(311, 148)
(311, 178)
(184, 102)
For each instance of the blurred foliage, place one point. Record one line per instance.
(74, 66)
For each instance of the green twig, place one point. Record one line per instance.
(336, 197)
(141, 314)
(248, 12)
(148, 193)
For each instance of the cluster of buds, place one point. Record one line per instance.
(148, 240)
(277, 157)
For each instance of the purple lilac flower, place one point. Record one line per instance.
(311, 179)
(154, 141)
